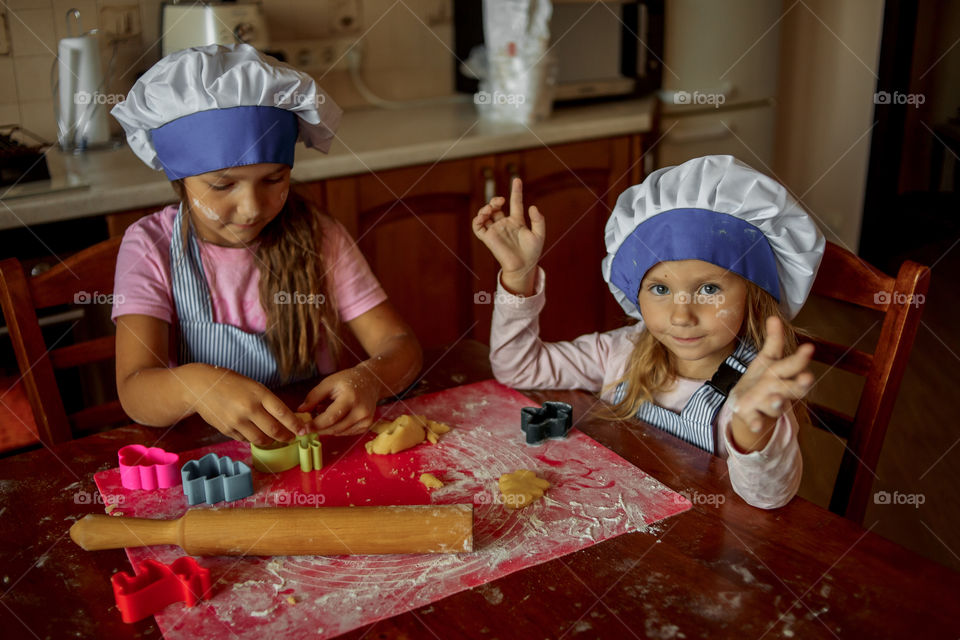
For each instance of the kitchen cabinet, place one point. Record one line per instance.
(575, 186)
(413, 225)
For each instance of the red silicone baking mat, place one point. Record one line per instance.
(595, 495)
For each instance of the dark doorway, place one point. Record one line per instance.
(911, 208)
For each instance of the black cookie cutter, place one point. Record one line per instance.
(552, 420)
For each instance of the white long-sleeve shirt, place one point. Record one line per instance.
(595, 362)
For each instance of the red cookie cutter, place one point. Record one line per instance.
(148, 467)
(156, 585)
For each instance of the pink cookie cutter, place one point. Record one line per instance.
(148, 467)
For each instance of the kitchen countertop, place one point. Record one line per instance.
(100, 182)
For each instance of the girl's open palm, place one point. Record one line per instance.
(770, 385)
(514, 245)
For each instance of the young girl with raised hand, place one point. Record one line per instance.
(244, 285)
(713, 259)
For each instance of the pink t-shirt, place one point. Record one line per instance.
(142, 283)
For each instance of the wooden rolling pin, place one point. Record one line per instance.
(290, 531)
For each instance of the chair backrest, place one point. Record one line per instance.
(844, 276)
(85, 274)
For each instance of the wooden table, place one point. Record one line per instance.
(721, 569)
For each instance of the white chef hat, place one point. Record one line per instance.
(214, 107)
(718, 210)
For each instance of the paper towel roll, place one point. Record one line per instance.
(83, 110)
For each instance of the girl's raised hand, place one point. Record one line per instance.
(243, 409)
(514, 245)
(768, 388)
(353, 394)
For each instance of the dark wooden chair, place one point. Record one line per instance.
(91, 270)
(844, 276)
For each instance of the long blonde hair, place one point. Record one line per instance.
(289, 259)
(651, 369)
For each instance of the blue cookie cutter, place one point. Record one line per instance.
(552, 420)
(212, 479)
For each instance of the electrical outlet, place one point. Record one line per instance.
(4, 38)
(120, 20)
(316, 55)
(345, 17)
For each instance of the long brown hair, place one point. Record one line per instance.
(651, 369)
(291, 263)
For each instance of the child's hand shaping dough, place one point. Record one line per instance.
(241, 408)
(768, 388)
(515, 246)
(353, 394)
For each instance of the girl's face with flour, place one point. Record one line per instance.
(230, 207)
(695, 309)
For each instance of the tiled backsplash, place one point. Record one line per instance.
(406, 49)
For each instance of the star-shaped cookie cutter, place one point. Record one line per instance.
(156, 585)
(212, 479)
(306, 451)
(552, 420)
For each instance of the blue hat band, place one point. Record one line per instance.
(223, 138)
(695, 234)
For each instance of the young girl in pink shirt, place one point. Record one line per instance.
(244, 286)
(713, 259)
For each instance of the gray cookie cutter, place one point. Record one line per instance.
(213, 479)
(552, 420)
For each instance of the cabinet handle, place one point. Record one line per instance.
(514, 172)
(489, 185)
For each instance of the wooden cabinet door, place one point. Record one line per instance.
(575, 186)
(413, 227)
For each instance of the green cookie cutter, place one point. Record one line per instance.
(305, 451)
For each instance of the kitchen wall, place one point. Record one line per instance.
(405, 48)
(828, 61)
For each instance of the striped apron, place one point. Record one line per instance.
(696, 424)
(200, 338)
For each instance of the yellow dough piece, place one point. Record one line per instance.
(435, 430)
(304, 416)
(521, 487)
(402, 433)
(430, 481)
(396, 436)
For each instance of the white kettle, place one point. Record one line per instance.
(82, 106)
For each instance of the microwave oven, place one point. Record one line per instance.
(603, 49)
